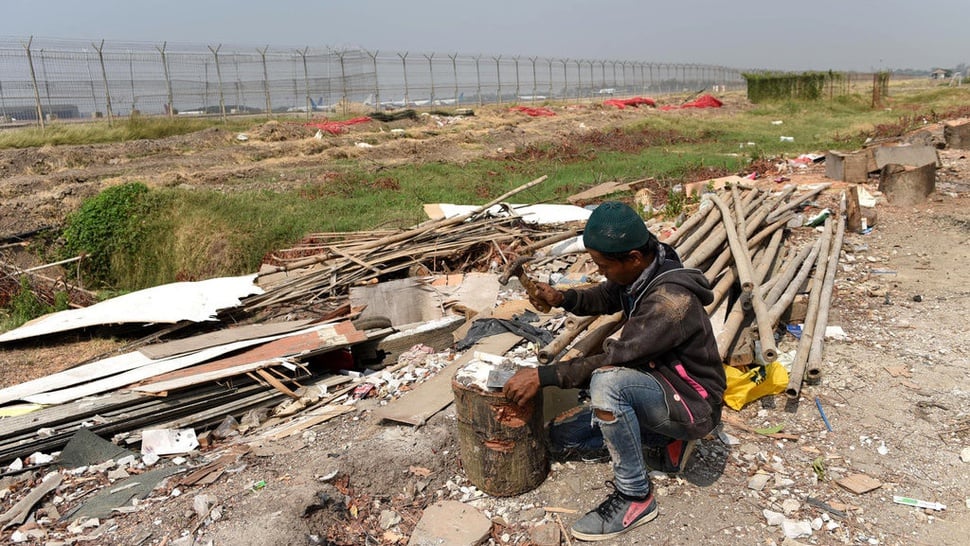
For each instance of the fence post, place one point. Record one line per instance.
(269, 104)
(222, 98)
(579, 78)
(377, 85)
(565, 78)
(343, 82)
(498, 74)
(3, 104)
(534, 85)
(306, 82)
(33, 78)
(431, 74)
(131, 79)
(168, 80)
(549, 61)
(404, 67)
(454, 71)
(478, 75)
(104, 75)
(517, 92)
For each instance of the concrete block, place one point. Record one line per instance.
(450, 522)
(957, 134)
(909, 156)
(845, 166)
(907, 186)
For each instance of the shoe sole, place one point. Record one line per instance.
(595, 538)
(685, 456)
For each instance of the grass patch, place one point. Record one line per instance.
(121, 130)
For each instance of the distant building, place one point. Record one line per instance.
(29, 113)
(939, 74)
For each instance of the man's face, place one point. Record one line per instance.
(619, 271)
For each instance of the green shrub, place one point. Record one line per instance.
(25, 305)
(107, 224)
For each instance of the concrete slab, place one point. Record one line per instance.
(846, 166)
(957, 134)
(450, 523)
(910, 156)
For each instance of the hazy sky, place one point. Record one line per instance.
(778, 34)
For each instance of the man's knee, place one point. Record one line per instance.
(604, 415)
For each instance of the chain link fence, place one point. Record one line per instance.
(43, 79)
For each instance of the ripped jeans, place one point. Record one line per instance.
(641, 418)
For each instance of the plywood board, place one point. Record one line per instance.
(341, 333)
(434, 395)
(166, 304)
(220, 337)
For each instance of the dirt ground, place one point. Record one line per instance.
(894, 390)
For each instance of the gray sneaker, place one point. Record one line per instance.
(614, 516)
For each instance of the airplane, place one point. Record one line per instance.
(315, 106)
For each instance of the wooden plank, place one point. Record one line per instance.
(277, 384)
(859, 483)
(319, 416)
(600, 190)
(434, 395)
(221, 337)
(313, 339)
(173, 383)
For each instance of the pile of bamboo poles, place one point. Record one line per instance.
(336, 263)
(740, 245)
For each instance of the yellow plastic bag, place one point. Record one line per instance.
(758, 381)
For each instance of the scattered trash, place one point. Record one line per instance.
(363, 145)
(259, 485)
(795, 330)
(819, 218)
(242, 137)
(917, 298)
(918, 503)
(777, 122)
(168, 441)
(859, 483)
(965, 455)
(786, 139)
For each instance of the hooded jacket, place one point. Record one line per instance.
(667, 334)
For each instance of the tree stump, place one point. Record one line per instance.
(502, 446)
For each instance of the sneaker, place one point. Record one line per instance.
(672, 458)
(614, 516)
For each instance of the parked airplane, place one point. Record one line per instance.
(315, 106)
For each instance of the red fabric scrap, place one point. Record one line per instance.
(534, 112)
(337, 127)
(704, 101)
(634, 102)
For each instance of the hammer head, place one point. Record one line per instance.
(514, 270)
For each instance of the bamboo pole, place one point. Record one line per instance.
(786, 298)
(725, 340)
(813, 367)
(798, 200)
(805, 342)
(783, 281)
(689, 224)
(592, 343)
(549, 351)
(749, 283)
(711, 221)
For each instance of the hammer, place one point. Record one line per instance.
(518, 269)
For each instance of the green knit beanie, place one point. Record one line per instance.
(614, 227)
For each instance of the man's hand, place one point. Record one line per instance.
(523, 386)
(546, 294)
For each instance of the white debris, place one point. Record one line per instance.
(790, 506)
(773, 518)
(965, 455)
(796, 529)
(758, 481)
